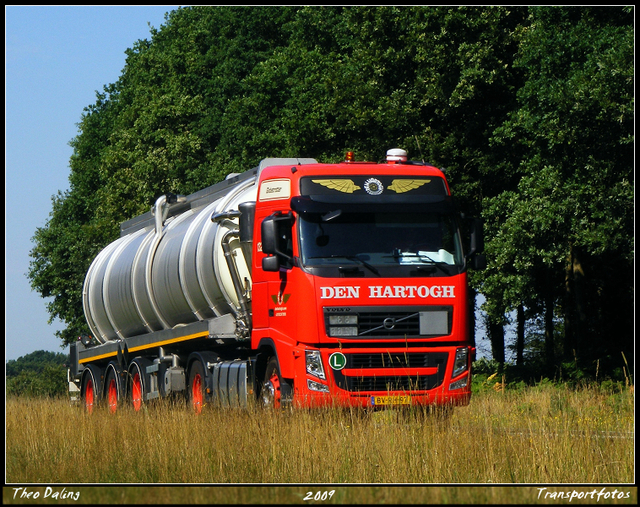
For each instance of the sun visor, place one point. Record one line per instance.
(360, 204)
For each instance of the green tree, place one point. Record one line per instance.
(564, 237)
(39, 373)
(217, 89)
(529, 109)
(151, 132)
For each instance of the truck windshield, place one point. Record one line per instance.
(381, 241)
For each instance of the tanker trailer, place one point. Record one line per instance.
(171, 296)
(296, 283)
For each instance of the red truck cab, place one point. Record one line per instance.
(359, 285)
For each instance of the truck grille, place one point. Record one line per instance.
(387, 383)
(404, 323)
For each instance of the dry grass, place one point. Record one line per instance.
(536, 435)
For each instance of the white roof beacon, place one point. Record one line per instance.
(396, 155)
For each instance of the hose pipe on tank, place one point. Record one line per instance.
(160, 210)
(243, 325)
(243, 317)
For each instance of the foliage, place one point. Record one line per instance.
(530, 109)
(151, 132)
(39, 373)
(542, 434)
(570, 141)
(491, 375)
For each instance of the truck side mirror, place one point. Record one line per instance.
(477, 259)
(269, 233)
(276, 240)
(477, 236)
(247, 216)
(271, 263)
(479, 262)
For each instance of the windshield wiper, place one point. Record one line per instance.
(373, 269)
(397, 254)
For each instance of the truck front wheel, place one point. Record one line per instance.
(275, 392)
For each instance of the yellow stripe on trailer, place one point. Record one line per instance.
(97, 358)
(162, 343)
(167, 342)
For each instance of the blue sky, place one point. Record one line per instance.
(56, 58)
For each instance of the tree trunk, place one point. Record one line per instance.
(574, 314)
(520, 337)
(548, 331)
(496, 335)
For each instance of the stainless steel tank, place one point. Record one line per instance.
(169, 272)
(168, 267)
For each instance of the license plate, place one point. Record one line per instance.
(391, 400)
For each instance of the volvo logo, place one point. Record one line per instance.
(389, 323)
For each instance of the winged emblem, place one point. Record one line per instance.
(401, 186)
(344, 186)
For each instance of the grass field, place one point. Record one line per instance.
(536, 435)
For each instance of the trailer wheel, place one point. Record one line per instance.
(91, 388)
(195, 390)
(112, 390)
(139, 382)
(136, 390)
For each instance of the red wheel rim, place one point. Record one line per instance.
(113, 396)
(274, 380)
(136, 392)
(89, 396)
(196, 394)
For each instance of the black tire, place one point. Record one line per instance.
(113, 388)
(196, 390)
(275, 392)
(91, 390)
(139, 381)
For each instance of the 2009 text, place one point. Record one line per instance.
(320, 495)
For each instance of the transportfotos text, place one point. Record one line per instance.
(545, 493)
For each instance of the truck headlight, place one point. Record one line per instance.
(461, 362)
(459, 384)
(317, 386)
(314, 364)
